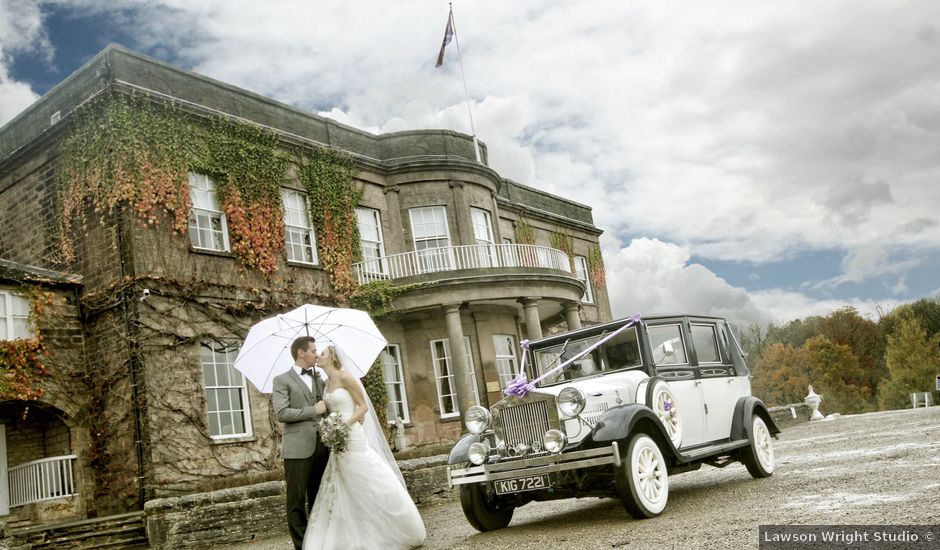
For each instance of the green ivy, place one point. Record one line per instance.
(374, 382)
(129, 149)
(565, 243)
(525, 233)
(21, 360)
(327, 176)
(596, 266)
(377, 297)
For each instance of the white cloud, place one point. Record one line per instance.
(742, 131)
(651, 276)
(20, 31)
(869, 261)
(787, 305)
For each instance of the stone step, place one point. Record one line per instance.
(123, 531)
(83, 525)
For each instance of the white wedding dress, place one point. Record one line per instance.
(362, 503)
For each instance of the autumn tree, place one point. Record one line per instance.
(836, 374)
(781, 375)
(925, 310)
(756, 339)
(866, 341)
(913, 361)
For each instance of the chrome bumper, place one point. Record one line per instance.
(534, 466)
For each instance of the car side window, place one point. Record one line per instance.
(705, 341)
(666, 345)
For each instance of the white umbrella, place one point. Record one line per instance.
(266, 350)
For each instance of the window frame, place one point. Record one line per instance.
(682, 340)
(446, 361)
(9, 317)
(400, 381)
(442, 257)
(715, 340)
(512, 359)
(487, 251)
(582, 273)
(229, 349)
(212, 188)
(380, 261)
(304, 231)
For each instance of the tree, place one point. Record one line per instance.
(866, 341)
(794, 333)
(755, 340)
(782, 375)
(836, 374)
(913, 361)
(925, 310)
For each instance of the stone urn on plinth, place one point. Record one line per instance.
(813, 400)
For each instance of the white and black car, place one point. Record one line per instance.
(661, 397)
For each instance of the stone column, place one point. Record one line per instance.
(395, 236)
(572, 317)
(461, 216)
(533, 325)
(463, 383)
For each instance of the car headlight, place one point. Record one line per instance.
(477, 419)
(555, 441)
(571, 402)
(478, 452)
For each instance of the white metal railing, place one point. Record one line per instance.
(452, 258)
(43, 479)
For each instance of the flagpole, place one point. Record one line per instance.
(473, 132)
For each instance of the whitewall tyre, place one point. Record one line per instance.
(642, 480)
(759, 456)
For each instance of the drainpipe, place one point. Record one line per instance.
(131, 365)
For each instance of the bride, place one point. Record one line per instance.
(362, 502)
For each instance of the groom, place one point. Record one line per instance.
(298, 403)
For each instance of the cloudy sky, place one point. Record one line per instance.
(761, 160)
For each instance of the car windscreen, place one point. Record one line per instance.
(620, 352)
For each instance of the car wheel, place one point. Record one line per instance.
(642, 481)
(485, 513)
(663, 404)
(759, 456)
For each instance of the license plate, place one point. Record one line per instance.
(519, 484)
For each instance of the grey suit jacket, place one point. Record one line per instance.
(293, 405)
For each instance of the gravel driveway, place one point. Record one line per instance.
(878, 468)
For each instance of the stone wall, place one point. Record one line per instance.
(426, 478)
(789, 415)
(256, 512)
(218, 518)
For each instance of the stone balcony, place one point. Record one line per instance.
(442, 263)
(492, 273)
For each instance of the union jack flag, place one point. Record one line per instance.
(448, 36)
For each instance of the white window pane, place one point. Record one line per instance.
(226, 393)
(21, 328)
(20, 305)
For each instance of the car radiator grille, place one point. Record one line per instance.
(525, 423)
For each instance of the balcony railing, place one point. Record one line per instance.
(43, 479)
(452, 258)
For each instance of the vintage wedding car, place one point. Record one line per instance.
(612, 411)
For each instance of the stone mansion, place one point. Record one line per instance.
(139, 241)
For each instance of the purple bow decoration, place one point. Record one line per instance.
(518, 387)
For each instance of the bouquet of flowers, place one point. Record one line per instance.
(334, 433)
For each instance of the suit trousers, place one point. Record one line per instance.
(302, 478)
